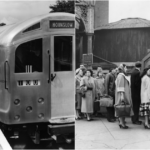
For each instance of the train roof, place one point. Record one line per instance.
(8, 32)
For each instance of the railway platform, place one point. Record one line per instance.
(101, 134)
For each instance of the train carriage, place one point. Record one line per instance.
(37, 63)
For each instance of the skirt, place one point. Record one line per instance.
(87, 103)
(144, 109)
(78, 101)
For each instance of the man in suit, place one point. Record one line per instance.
(135, 93)
(110, 90)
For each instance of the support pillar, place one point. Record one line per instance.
(89, 43)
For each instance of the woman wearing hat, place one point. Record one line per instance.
(88, 86)
(99, 84)
(99, 88)
(145, 96)
(78, 77)
(123, 93)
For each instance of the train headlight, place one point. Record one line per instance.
(17, 117)
(41, 115)
(17, 102)
(41, 100)
(29, 109)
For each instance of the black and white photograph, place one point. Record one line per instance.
(37, 81)
(112, 74)
(74, 74)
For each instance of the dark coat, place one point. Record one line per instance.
(110, 84)
(136, 86)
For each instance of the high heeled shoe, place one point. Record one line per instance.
(146, 126)
(123, 127)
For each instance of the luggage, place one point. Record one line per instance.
(123, 109)
(106, 101)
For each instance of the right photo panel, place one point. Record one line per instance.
(112, 103)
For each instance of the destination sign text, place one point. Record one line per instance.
(61, 24)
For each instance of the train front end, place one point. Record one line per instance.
(37, 74)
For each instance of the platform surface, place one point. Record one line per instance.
(101, 134)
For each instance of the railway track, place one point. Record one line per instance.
(25, 142)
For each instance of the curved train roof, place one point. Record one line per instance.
(8, 32)
(126, 23)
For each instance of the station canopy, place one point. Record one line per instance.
(126, 23)
(105, 64)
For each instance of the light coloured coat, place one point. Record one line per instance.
(88, 101)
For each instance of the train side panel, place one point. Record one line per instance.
(5, 102)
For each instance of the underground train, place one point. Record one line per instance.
(37, 63)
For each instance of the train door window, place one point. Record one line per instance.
(63, 53)
(28, 57)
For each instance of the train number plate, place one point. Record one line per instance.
(29, 83)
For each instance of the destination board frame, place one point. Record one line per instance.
(61, 24)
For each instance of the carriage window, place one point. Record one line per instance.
(28, 57)
(33, 27)
(63, 53)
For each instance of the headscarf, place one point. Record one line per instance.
(99, 70)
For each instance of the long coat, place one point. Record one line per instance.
(78, 95)
(99, 87)
(145, 89)
(122, 85)
(136, 89)
(110, 84)
(88, 100)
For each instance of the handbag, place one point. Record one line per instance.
(82, 92)
(123, 109)
(106, 101)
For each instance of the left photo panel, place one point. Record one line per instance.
(37, 79)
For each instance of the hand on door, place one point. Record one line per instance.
(53, 76)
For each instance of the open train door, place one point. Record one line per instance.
(145, 61)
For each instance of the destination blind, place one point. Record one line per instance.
(61, 24)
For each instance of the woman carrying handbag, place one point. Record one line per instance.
(123, 95)
(78, 77)
(87, 85)
(145, 96)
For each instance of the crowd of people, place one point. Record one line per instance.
(134, 91)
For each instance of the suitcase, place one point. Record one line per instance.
(106, 102)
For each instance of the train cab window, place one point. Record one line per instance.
(28, 57)
(62, 53)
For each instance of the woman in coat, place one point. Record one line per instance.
(99, 89)
(123, 93)
(88, 86)
(78, 77)
(99, 84)
(145, 96)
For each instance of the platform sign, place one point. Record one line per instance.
(88, 59)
